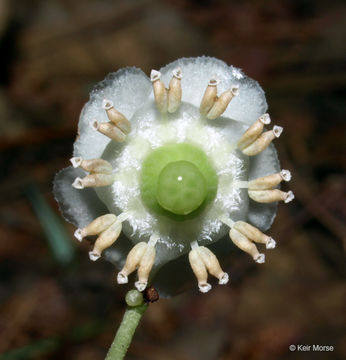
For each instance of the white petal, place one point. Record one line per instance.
(127, 89)
(246, 107)
(79, 207)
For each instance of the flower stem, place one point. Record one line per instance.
(123, 337)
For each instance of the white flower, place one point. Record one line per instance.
(168, 170)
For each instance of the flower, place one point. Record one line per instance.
(174, 171)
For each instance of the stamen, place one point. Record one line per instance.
(107, 104)
(262, 142)
(212, 264)
(78, 183)
(268, 196)
(277, 130)
(246, 245)
(146, 264)
(92, 165)
(155, 75)
(96, 226)
(142, 256)
(108, 129)
(271, 243)
(253, 234)
(160, 92)
(286, 175)
(174, 91)
(105, 240)
(260, 259)
(209, 96)
(132, 261)
(221, 103)
(177, 73)
(93, 180)
(76, 161)
(266, 182)
(116, 117)
(253, 132)
(290, 197)
(200, 270)
(265, 119)
(202, 261)
(78, 234)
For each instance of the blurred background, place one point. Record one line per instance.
(54, 303)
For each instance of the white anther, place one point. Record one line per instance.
(122, 278)
(260, 259)
(277, 130)
(265, 119)
(94, 124)
(224, 279)
(177, 73)
(107, 104)
(78, 183)
(155, 75)
(235, 90)
(286, 175)
(213, 81)
(78, 234)
(141, 285)
(290, 197)
(93, 256)
(204, 288)
(271, 243)
(76, 161)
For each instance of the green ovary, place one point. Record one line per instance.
(178, 181)
(181, 187)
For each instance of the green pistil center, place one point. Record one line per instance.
(178, 181)
(181, 187)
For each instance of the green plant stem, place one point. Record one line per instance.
(123, 337)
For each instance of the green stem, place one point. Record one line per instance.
(124, 335)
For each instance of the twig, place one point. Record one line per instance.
(125, 332)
